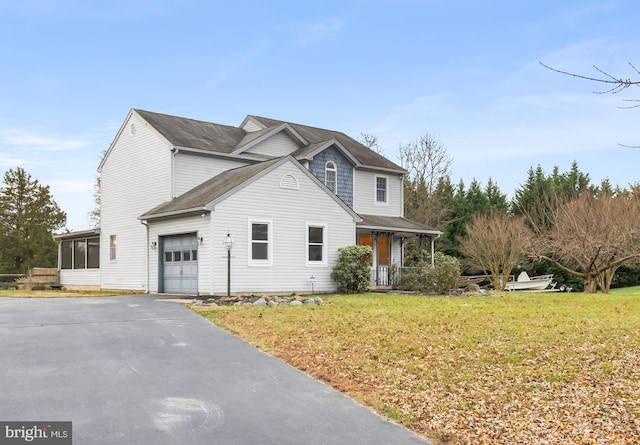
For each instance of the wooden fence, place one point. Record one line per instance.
(38, 278)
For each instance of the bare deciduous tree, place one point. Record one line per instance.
(370, 140)
(616, 84)
(426, 160)
(428, 163)
(590, 237)
(613, 85)
(94, 214)
(494, 243)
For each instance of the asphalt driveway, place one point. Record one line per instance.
(137, 370)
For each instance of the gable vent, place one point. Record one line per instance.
(289, 182)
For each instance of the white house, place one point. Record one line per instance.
(289, 195)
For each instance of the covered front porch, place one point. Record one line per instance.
(386, 235)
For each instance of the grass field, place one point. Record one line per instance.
(514, 368)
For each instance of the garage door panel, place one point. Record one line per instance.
(180, 264)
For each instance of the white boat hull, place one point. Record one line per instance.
(540, 282)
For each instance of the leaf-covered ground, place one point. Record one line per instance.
(502, 369)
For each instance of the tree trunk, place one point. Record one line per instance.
(590, 284)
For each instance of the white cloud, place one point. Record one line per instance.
(8, 161)
(314, 32)
(21, 138)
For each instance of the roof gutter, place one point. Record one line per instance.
(216, 154)
(172, 213)
(400, 229)
(381, 169)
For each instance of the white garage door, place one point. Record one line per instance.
(180, 264)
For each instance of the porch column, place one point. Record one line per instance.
(402, 238)
(390, 248)
(433, 250)
(420, 245)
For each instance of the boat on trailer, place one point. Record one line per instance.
(526, 283)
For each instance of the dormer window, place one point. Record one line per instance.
(330, 176)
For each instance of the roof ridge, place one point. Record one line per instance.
(301, 125)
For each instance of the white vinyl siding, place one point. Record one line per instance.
(190, 170)
(275, 146)
(251, 126)
(135, 177)
(81, 279)
(289, 211)
(364, 194)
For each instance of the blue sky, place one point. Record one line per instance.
(465, 71)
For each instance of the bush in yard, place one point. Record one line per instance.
(426, 278)
(351, 271)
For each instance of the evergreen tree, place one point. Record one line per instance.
(28, 216)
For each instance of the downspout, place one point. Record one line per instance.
(173, 172)
(146, 259)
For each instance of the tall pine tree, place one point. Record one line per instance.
(28, 216)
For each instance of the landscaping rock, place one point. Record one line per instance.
(257, 300)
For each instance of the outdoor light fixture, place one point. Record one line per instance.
(154, 245)
(201, 240)
(228, 244)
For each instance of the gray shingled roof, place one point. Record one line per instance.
(395, 224)
(197, 198)
(364, 155)
(190, 133)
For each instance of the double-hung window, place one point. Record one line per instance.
(316, 244)
(260, 243)
(382, 190)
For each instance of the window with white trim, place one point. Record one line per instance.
(330, 176)
(260, 242)
(316, 238)
(112, 247)
(382, 190)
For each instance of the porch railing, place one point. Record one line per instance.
(389, 276)
(381, 276)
